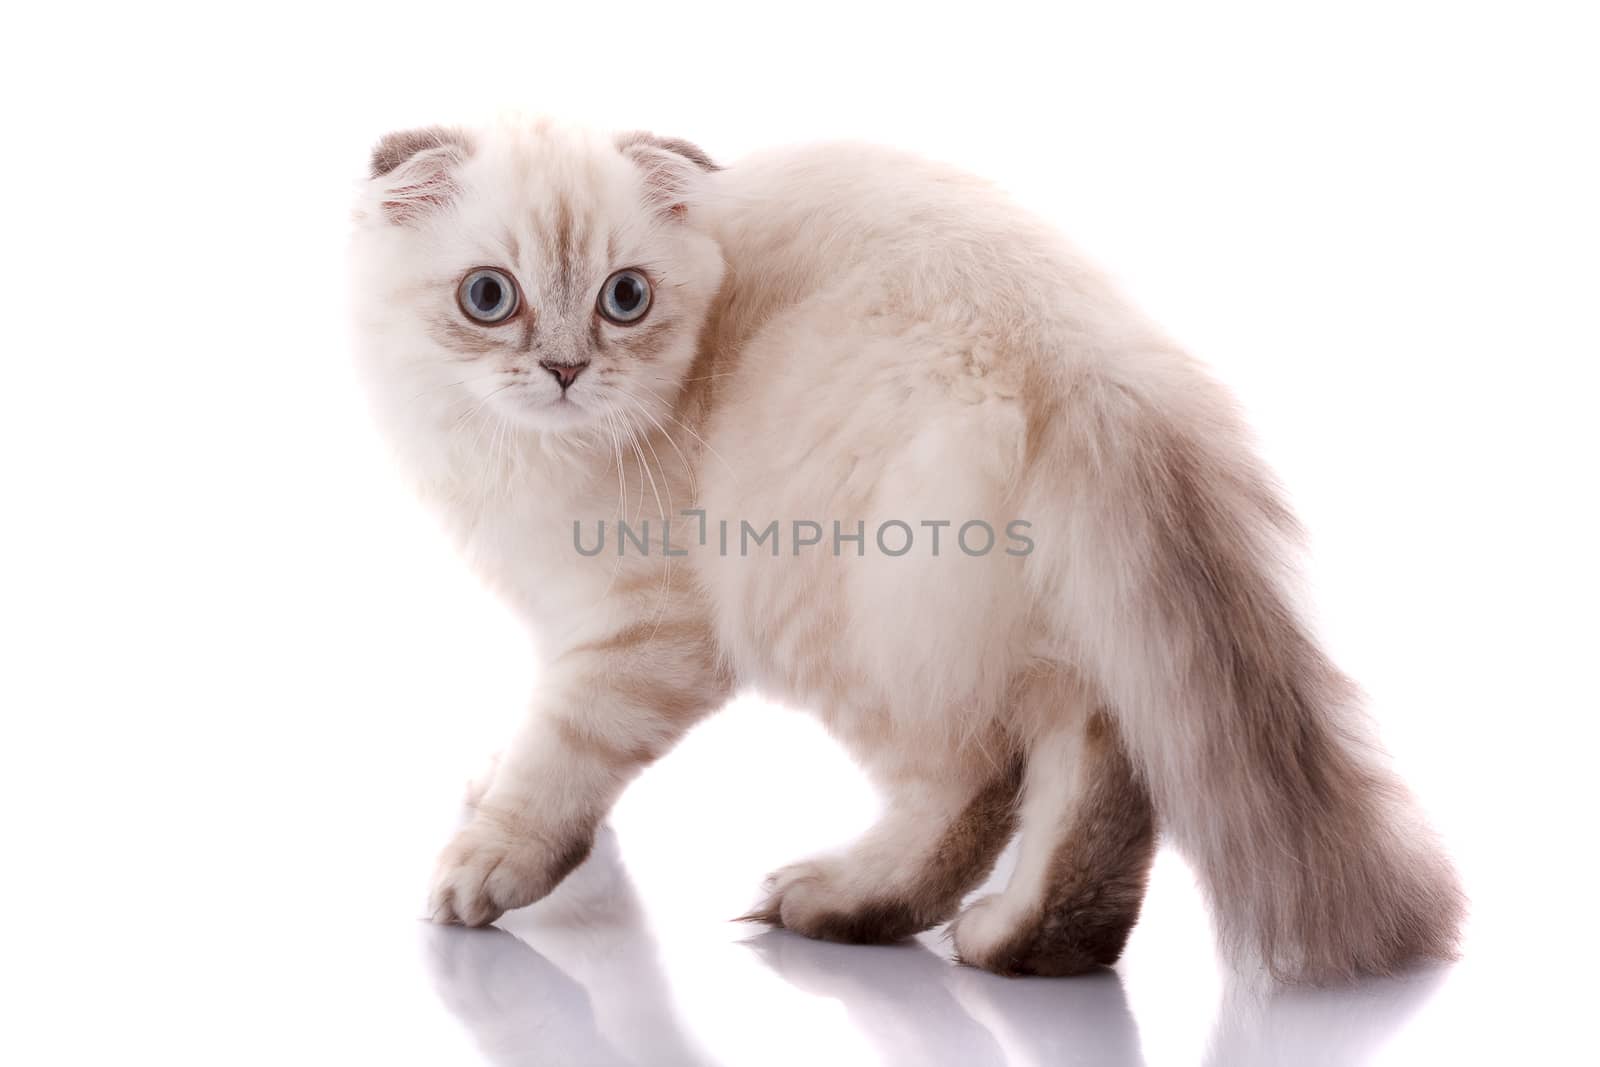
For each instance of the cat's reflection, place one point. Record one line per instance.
(519, 1007)
(1335, 1027)
(1080, 1020)
(592, 993)
(918, 1008)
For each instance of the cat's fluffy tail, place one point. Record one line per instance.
(1177, 601)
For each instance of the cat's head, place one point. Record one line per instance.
(553, 276)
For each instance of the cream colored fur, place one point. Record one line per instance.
(850, 334)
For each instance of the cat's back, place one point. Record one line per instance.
(812, 212)
(906, 235)
(863, 194)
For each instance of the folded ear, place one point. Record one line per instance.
(672, 167)
(414, 170)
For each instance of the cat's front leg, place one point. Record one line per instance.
(606, 709)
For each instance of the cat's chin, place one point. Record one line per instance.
(558, 416)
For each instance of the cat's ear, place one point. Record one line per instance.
(414, 170)
(672, 169)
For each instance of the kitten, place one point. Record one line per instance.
(851, 428)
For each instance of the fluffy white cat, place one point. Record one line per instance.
(853, 429)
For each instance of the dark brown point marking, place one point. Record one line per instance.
(1098, 873)
(959, 861)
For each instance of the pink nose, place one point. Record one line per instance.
(564, 373)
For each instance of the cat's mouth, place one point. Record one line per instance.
(540, 410)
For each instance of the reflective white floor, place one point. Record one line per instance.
(281, 922)
(542, 990)
(583, 979)
(634, 960)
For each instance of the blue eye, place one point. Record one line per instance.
(625, 297)
(487, 295)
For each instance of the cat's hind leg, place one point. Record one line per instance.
(945, 823)
(1087, 841)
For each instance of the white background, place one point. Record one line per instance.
(243, 676)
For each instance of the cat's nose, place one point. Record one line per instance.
(564, 373)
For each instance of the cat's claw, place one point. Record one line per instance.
(774, 888)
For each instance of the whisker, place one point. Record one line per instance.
(616, 568)
(700, 378)
(666, 569)
(622, 477)
(638, 453)
(688, 468)
(644, 438)
(703, 443)
(438, 388)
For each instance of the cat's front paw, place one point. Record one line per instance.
(819, 899)
(493, 865)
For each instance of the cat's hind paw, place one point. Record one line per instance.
(995, 936)
(817, 899)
